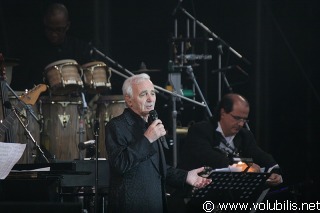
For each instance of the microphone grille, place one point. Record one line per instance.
(153, 115)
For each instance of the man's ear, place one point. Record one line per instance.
(128, 100)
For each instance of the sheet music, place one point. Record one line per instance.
(10, 153)
(234, 168)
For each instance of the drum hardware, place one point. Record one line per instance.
(64, 119)
(193, 57)
(107, 107)
(96, 77)
(96, 83)
(182, 131)
(62, 140)
(64, 77)
(67, 81)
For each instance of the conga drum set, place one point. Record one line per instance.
(65, 125)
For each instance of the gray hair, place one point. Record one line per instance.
(135, 79)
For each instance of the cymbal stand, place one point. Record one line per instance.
(190, 72)
(221, 42)
(29, 134)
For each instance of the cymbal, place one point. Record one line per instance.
(143, 68)
(146, 70)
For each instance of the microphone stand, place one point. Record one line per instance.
(30, 135)
(174, 95)
(96, 135)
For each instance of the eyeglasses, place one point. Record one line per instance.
(239, 119)
(56, 29)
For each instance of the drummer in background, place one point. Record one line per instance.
(54, 44)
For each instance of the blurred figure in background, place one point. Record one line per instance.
(53, 45)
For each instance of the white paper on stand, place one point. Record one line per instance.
(10, 153)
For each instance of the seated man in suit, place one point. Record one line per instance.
(216, 142)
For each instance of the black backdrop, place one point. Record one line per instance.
(279, 37)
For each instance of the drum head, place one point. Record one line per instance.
(57, 63)
(64, 77)
(94, 63)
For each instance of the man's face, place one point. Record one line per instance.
(56, 28)
(232, 122)
(143, 98)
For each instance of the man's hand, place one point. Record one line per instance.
(155, 131)
(274, 179)
(195, 180)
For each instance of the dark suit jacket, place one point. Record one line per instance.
(201, 142)
(138, 170)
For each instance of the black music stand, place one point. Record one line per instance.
(231, 187)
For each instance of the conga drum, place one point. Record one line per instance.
(63, 77)
(96, 77)
(108, 107)
(63, 129)
(18, 133)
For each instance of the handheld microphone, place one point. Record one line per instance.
(86, 144)
(153, 115)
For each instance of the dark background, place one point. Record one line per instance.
(280, 38)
